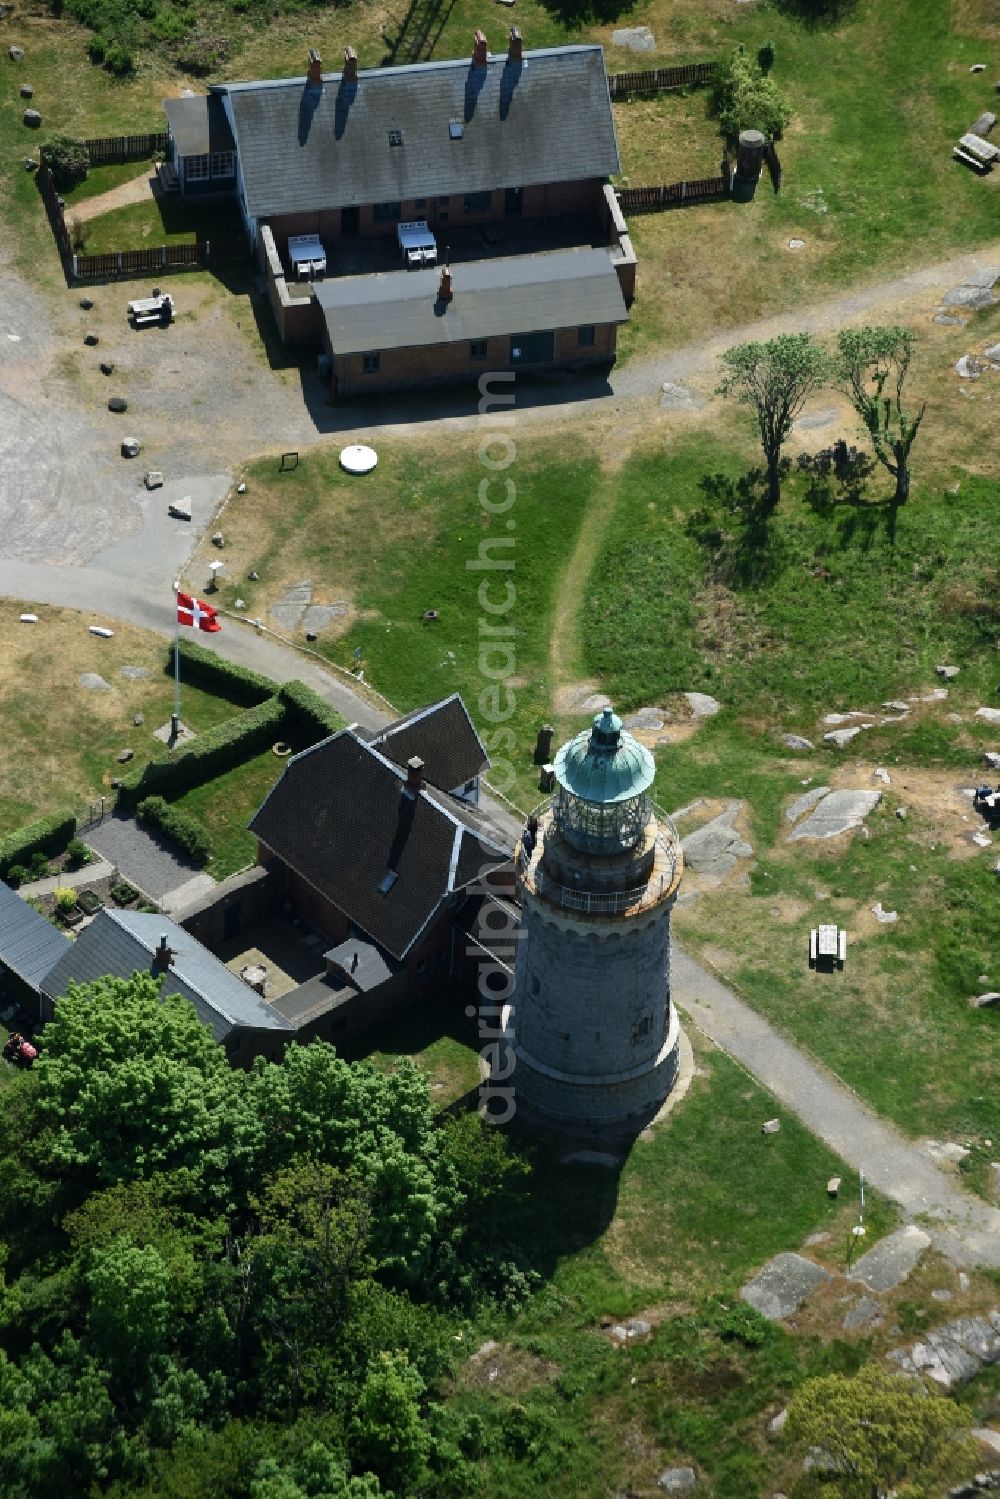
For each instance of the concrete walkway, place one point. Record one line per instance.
(88, 874)
(961, 1226)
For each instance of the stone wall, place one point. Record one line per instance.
(623, 256)
(246, 898)
(299, 319)
(596, 1032)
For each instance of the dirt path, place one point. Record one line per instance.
(135, 191)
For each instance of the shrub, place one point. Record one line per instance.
(200, 54)
(49, 835)
(312, 714)
(17, 875)
(79, 234)
(65, 897)
(215, 673)
(178, 826)
(78, 853)
(213, 752)
(744, 1324)
(68, 161)
(744, 99)
(121, 893)
(765, 57)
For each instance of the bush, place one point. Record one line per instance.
(78, 853)
(122, 893)
(216, 674)
(68, 161)
(213, 752)
(178, 826)
(745, 1325)
(65, 897)
(17, 875)
(744, 99)
(312, 715)
(49, 835)
(200, 54)
(765, 57)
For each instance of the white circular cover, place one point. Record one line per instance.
(357, 459)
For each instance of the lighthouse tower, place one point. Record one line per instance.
(596, 1036)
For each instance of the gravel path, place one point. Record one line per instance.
(146, 861)
(135, 191)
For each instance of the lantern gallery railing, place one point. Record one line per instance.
(612, 902)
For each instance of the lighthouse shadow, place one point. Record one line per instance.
(572, 1195)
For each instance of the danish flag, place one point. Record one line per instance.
(196, 614)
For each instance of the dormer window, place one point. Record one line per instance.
(456, 130)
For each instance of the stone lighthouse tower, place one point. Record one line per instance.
(596, 1036)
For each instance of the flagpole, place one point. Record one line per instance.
(175, 722)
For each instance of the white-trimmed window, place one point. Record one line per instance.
(222, 164)
(196, 168)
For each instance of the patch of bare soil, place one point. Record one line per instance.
(788, 909)
(500, 1368)
(570, 697)
(937, 813)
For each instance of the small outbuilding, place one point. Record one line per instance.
(200, 146)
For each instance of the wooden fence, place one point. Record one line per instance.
(126, 147)
(119, 265)
(660, 80)
(672, 195)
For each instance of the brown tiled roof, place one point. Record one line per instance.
(343, 819)
(443, 736)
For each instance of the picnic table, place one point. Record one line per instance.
(827, 946)
(146, 310)
(306, 253)
(976, 151)
(417, 243)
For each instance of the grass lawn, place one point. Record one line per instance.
(225, 805)
(399, 542)
(60, 739)
(160, 221)
(693, 1213)
(103, 179)
(435, 1034)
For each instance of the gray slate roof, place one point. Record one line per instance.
(342, 817)
(199, 125)
(444, 737)
(29, 945)
(522, 294)
(547, 119)
(121, 943)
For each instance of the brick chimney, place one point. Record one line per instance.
(350, 65)
(479, 50)
(514, 45)
(414, 774)
(445, 292)
(314, 77)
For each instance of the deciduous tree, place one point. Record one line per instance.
(776, 379)
(870, 360)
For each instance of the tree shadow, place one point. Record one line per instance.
(733, 527)
(835, 476)
(814, 13)
(573, 14)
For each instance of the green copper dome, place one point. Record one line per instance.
(604, 765)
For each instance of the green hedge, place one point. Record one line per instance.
(216, 674)
(49, 835)
(311, 715)
(178, 826)
(213, 752)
